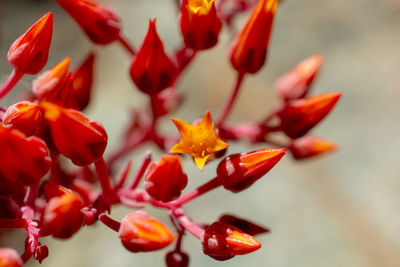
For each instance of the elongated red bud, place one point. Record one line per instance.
(249, 50)
(62, 216)
(311, 146)
(74, 135)
(139, 232)
(296, 83)
(177, 259)
(165, 179)
(152, 70)
(55, 85)
(223, 241)
(200, 25)
(23, 160)
(300, 116)
(24, 116)
(100, 22)
(28, 54)
(10, 258)
(83, 81)
(238, 171)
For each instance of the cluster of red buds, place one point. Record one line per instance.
(52, 155)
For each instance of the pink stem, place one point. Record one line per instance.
(31, 195)
(12, 223)
(178, 6)
(109, 222)
(10, 83)
(231, 100)
(126, 44)
(210, 185)
(190, 226)
(143, 166)
(104, 177)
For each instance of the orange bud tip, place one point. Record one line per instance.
(139, 232)
(222, 241)
(311, 146)
(24, 116)
(237, 172)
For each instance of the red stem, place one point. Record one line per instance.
(190, 226)
(210, 185)
(12, 223)
(126, 44)
(109, 222)
(12, 80)
(143, 167)
(126, 149)
(123, 175)
(104, 177)
(178, 5)
(231, 100)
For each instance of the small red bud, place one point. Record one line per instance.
(24, 160)
(300, 116)
(296, 83)
(41, 253)
(310, 146)
(238, 171)
(24, 116)
(10, 258)
(244, 225)
(165, 180)
(249, 50)
(100, 22)
(177, 259)
(28, 54)
(83, 81)
(74, 135)
(152, 70)
(200, 25)
(139, 232)
(62, 216)
(223, 241)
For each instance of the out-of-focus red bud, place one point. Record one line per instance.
(152, 70)
(166, 101)
(24, 160)
(310, 146)
(296, 83)
(83, 81)
(223, 241)
(28, 54)
(10, 258)
(62, 216)
(139, 232)
(41, 253)
(74, 135)
(177, 259)
(238, 171)
(249, 50)
(100, 22)
(200, 25)
(165, 179)
(24, 116)
(244, 225)
(299, 116)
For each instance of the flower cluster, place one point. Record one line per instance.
(52, 154)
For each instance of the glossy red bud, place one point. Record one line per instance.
(244, 225)
(177, 259)
(24, 116)
(82, 82)
(310, 146)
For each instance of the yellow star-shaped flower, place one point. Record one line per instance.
(198, 141)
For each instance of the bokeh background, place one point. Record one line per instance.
(337, 210)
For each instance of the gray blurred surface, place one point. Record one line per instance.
(338, 210)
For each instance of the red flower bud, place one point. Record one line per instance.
(249, 50)
(299, 116)
(100, 22)
(165, 180)
(28, 54)
(74, 135)
(152, 70)
(244, 225)
(24, 116)
(139, 232)
(55, 85)
(62, 216)
(177, 259)
(200, 25)
(23, 160)
(296, 83)
(237, 172)
(83, 81)
(10, 258)
(223, 241)
(310, 146)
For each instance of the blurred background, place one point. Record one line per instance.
(338, 210)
